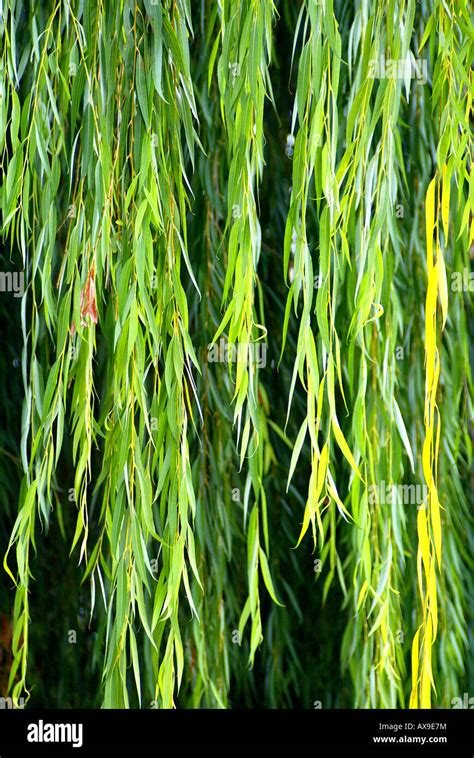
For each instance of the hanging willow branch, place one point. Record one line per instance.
(246, 230)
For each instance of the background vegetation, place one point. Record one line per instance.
(183, 531)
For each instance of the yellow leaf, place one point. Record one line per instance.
(432, 598)
(426, 675)
(436, 524)
(423, 539)
(317, 480)
(415, 665)
(362, 594)
(306, 520)
(430, 325)
(341, 441)
(332, 491)
(442, 286)
(430, 215)
(426, 456)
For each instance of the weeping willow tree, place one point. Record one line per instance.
(237, 410)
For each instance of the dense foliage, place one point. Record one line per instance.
(237, 409)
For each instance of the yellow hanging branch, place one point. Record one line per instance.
(429, 519)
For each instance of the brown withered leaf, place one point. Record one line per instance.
(88, 302)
